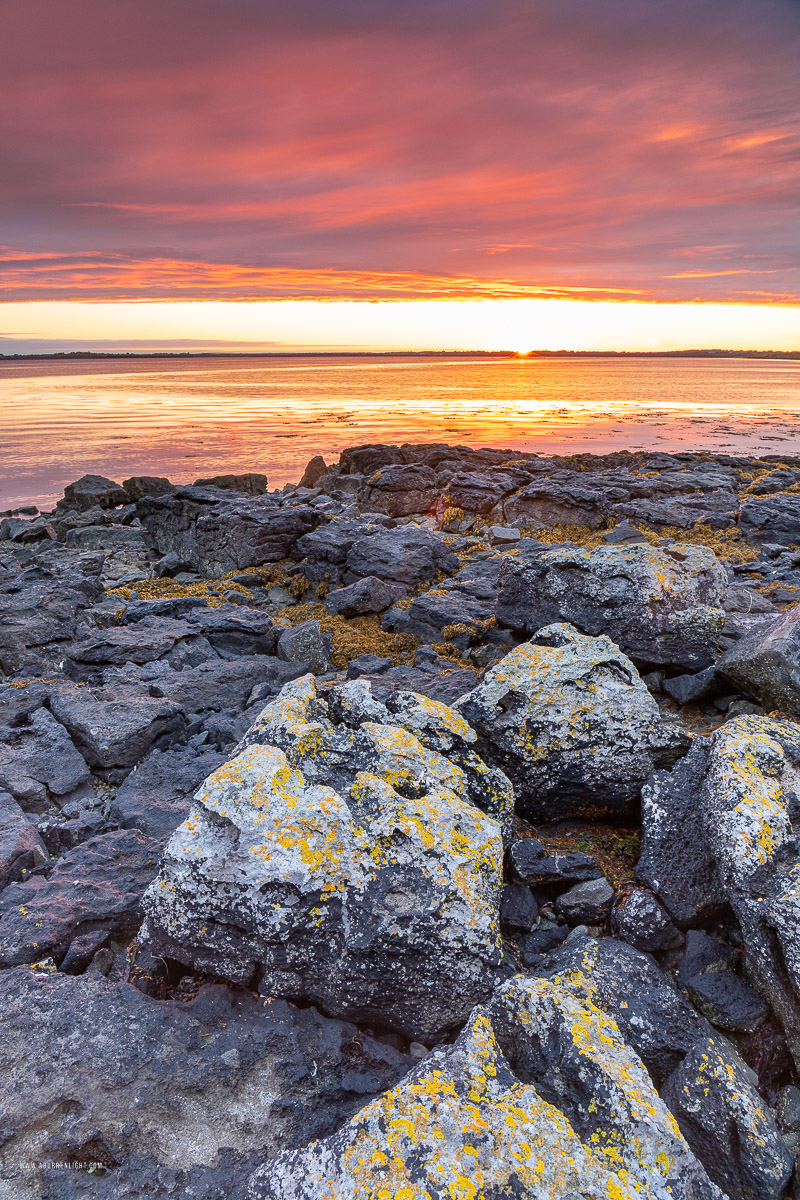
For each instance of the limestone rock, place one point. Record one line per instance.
(663, 606)
(571, 723)
(340, 856)
(539, 1096)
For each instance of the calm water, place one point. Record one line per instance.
(198, 417)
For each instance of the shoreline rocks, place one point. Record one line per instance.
(320, 812)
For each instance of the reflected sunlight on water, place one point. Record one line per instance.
(201, 416)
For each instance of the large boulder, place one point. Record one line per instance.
(766, 663)
(744, 790)
(216, 531)
(538, 1097)
(699, 1074)
(662, 606)
(340, 858)
(167, 1099)
(252, 483)
(571, 723)
(545, 503)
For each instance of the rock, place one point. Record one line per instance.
(178, 1099)
(315, 471)
(716, 510)
(170, 565)
(743, 804)
(405, 555)
(523, 1104)
(116, 729)
(305, 643)
(93, 490)
(146, 485)
(544, 503)
(533, 865)
(586, 903)
(726, 1001)
(692, 689)
(640, 921)
(519, 911)
(481, 491)
(444, 685)
(21, 847)
(571, 723)
(504, 535)
(367, 595)
(251, 483)
(367, 664)
(303, 862)
(739, 1144)
(704, 954)
(465, 602)
(400, 491)
(215, 532)
(536, 944)
(99, 884)
(677, 860)
(766, 664)
(660, 606)
(770, 519)
(156, 796)
(623, 534)
(39, 763)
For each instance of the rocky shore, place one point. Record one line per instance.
(427, 830)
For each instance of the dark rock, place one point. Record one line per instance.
(623, 534)
(21, 847)
(703, 954)
(146, 485)
(770, 519)
(400, 491)
(235, 630)
(519, 911)
(170, 565)
(540, 941)
(82, 950)
(251, 483)
(544, 503)
(677, 860)
(367, 664)
(217, 534)
(39, 762)
(406, 554)
(586, 903)
(156, 796)
(114, 729)
(533, 865)
(367, 595)
(305, 643)
(443, 685)
(99, 884)
(315, 471)
(176, 607)
(717, 509)
(740, 1146)
(766, 664)
(657, 605)
(481, 491)
(178, 1099)
(640, 920)
(692, 689)
(726, 1001)
(91, 490)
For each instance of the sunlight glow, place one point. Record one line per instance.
(520, 325)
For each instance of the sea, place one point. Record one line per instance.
(187, 418)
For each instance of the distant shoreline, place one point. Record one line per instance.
(101, 355)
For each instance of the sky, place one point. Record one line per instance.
(404, 173)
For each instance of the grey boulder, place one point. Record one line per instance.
(766, 664)
(661, 606)
(339, 857)
(571, 723)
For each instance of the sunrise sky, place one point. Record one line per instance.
(399, 173)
